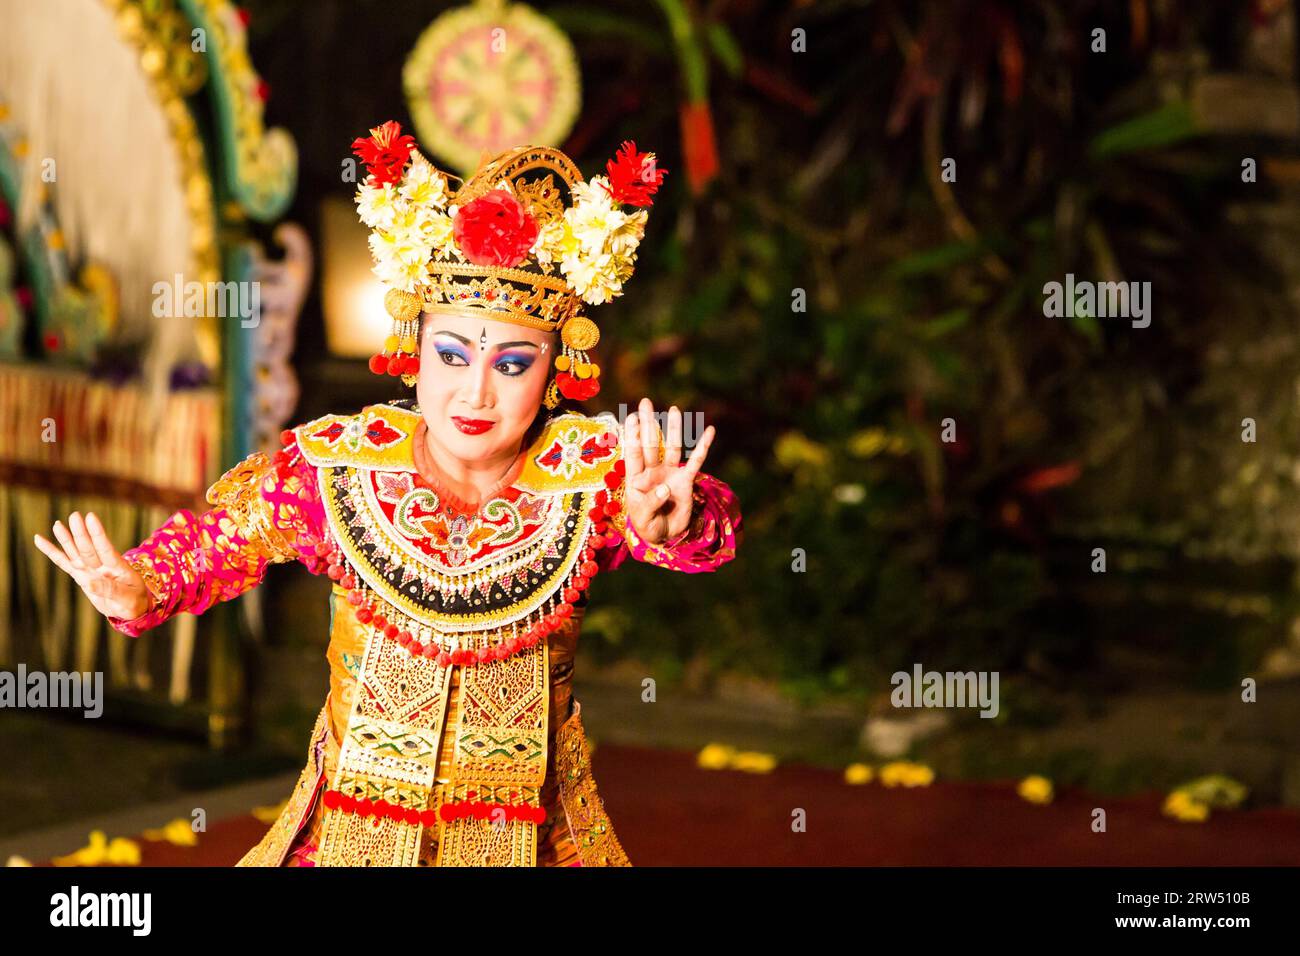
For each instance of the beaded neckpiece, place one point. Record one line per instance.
(461, 589)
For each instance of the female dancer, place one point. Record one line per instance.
(461, 531)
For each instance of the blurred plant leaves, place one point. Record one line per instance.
(725, 48)
(1165, 126)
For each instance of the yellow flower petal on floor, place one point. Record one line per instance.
(906, 774)
(752, 761)
(90, 855)
(1217, 791)
(1180, 805)
(17, 860)
(1035, 789)
(920, 776)
(99, 851)
(123, 852)
(178, 832)
(858, 773)
(269, 814)
(715, 757)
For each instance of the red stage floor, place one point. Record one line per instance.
(668, 812)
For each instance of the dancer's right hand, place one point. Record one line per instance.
(114, 587)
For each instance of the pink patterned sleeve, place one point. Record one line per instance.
(708, 542)
(268, 511)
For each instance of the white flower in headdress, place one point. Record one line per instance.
(413, 252)
(593, 278)
(620, 268)
(555, 241)
(377, 205)
(624, 240)
(600, 291)
(593, 194)
(401, 275)
(592, 222)
(381, 244)
(582, 271)
(436, 229)
(424, 185)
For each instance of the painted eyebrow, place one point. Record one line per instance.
(499, 345)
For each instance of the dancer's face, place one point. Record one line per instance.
(481, 383)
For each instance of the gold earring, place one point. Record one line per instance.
(552, 398)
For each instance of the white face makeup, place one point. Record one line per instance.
(481, 383)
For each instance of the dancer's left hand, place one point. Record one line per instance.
(658, 493)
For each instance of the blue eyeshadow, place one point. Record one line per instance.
(518, 358)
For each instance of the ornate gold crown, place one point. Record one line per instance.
(524, 238)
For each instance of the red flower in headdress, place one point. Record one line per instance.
(633, 177)
(385, 152)
(494, 230)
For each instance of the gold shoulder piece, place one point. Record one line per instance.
(379, 436)
(573, 453)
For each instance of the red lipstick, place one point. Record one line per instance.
(472, 426)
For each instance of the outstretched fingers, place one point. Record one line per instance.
(696, 461)
(633, 463)
(55, 554)
(81, 538)
(64, 537)
(649, 430)
(108, 555)
(673, 440)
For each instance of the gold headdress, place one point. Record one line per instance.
(524, 239)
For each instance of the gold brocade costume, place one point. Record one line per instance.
(450, 735)
(400, 728)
